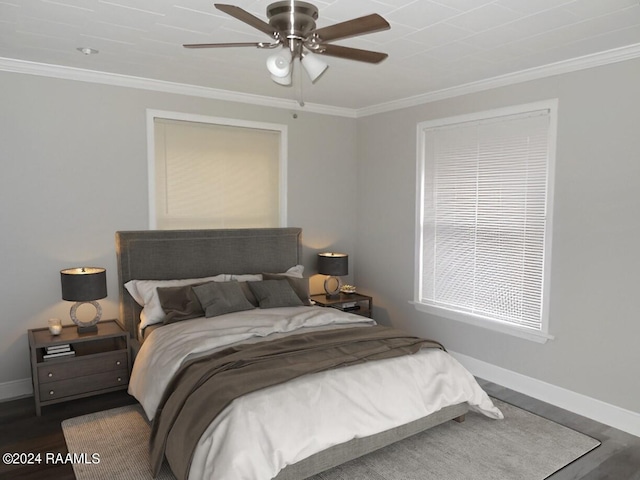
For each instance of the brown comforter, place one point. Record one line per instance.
(202, 388)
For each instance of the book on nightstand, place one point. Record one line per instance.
(58, 348)
(58, 351)
(348, 306)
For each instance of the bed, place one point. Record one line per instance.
(198, 254)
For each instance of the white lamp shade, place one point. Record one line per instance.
(286, 81)
(279, 64)
(313, 66)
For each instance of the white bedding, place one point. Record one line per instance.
(261, 433)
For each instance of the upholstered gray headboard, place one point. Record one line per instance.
(176, 254)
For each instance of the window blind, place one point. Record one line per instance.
(484, 217)
(216, 176)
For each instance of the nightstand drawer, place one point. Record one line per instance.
(81, 366)
(85, 384)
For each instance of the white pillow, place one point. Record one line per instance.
(145, 294)
(244, 278)
(296, 271)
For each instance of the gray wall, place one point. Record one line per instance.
(74, 171)
(595, 257)
(74, 166)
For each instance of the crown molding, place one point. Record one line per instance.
(579, 63)
(71, 73)
(115, 79)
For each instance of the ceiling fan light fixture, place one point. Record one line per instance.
(279, 64)
(286, 81)
(313, 66)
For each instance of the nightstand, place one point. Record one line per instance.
(348, 302)
(100, 364)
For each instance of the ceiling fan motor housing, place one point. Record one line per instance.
(293, 18)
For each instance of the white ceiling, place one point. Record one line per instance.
(433, 45)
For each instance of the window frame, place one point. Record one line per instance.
(542, 335)
(230, 122)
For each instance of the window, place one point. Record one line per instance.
(483, 222)
(215, 173)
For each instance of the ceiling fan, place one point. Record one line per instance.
(292, 26)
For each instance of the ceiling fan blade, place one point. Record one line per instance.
(351, 53)
(247, 18)
(351, 28)
(224, 45)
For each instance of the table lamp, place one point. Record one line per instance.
(334, 265)
(84, 285)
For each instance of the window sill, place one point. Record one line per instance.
(482, 322)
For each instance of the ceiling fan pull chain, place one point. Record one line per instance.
(298, 83)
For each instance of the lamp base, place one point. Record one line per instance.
(90, 329)
(332, 291)
(90, 326)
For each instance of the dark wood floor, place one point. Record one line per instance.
(618, 458)
(21, 432)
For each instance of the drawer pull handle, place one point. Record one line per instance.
(50, 392)
(50, 375)
(118, 362)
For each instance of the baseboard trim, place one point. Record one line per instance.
(15, 389)
(620, 418)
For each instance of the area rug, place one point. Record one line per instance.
(522, 446)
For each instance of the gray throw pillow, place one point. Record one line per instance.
(248, 293)
(218, 298)
(275, 293)
(179, 303)
(299, 285)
